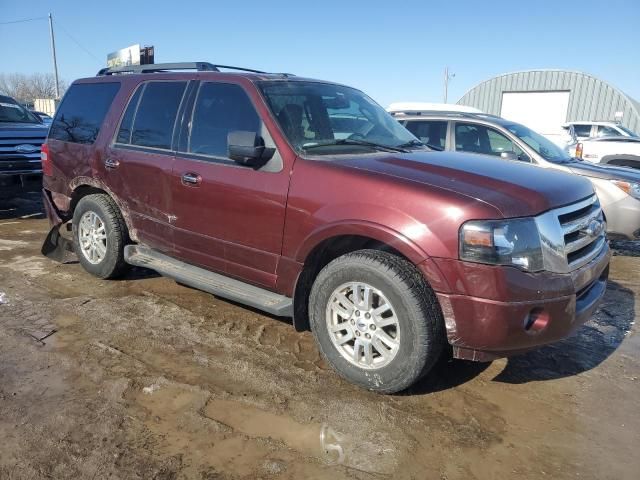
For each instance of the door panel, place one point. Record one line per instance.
(148, 202)
(232, 219)
(139, 164)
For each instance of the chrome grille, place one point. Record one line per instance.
(11, 160)
(584, 232)
(572, 236)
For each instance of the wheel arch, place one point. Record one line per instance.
(334, 241)
(83, 186)
(632, 161)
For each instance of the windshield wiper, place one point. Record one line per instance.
(418, 143)
(353, 141)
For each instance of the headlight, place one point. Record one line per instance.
(631, 188)
(513, 242)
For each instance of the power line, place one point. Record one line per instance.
(64, 30)
(24, 20)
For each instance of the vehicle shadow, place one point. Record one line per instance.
(446, 374)
(592, 344)
(28, 205)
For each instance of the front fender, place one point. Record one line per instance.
(396, 240)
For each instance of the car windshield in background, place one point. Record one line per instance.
(628, 132)
(543, 146)
(14, 113)
(330, 119)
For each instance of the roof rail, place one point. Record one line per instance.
(165, 67)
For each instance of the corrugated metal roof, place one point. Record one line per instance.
(591, 99)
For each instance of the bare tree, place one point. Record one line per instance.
(26, 88)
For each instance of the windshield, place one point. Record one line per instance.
(628, 132)
(10, 111)
(331, 119)
(543, 146)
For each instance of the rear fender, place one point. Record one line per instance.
(79, 182)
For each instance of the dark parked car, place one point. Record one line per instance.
(46, 119)
(21, 135)
(240, 185)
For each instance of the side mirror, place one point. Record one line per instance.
(508, 156)
(247, 149)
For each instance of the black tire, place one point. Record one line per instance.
(112, 265)
(417, 310)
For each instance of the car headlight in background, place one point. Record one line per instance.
(514, 242)
(631, 188)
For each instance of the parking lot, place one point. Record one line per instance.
(145, 378)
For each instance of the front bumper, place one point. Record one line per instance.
(623, 218)
(501, 311)
(15, 183)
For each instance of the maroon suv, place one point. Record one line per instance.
(306, 199)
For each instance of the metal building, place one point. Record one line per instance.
(545, 99)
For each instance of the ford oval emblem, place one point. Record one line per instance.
(594, 228)
(27, 148)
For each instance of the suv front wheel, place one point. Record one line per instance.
(99, 236)
(376, 320)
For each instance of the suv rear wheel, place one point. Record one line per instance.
(99, 236)
(376, 321)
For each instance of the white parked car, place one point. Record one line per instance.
(584, 129)
(620, 151)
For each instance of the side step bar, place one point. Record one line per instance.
(207, 281)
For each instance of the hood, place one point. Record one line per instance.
(514, 189)
(17, 127)
(607, 172)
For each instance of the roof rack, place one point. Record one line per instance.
(166, 67)
(445, 113)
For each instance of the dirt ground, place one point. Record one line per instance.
(144, 378)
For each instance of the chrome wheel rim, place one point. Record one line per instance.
(363, 325)
(92, 237)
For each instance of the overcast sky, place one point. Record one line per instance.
(393, 50)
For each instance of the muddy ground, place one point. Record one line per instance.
(144, 378)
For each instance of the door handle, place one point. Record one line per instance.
(111, 163)
(191, 178)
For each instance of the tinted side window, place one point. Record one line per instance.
(433, 133)
(124, 133)
(480, 139)
(582, 130)
(220, 108)
(156, 114)
(82, 112)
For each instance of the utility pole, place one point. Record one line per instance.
(447, 77)
(53, 52)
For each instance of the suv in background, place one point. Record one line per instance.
(582, 130)
(306, 199)
(21, 135)
(490, 136)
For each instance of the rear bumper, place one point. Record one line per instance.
(54, 214)
(542, 308)
(14, 183)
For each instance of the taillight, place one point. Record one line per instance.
(47, 167)
(579, 150)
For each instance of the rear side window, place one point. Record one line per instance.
(431, 133)
(220, 108)
(124, 133)
(82, 112)
(151, 115)
(582, 130)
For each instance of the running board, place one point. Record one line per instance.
(207, 281)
